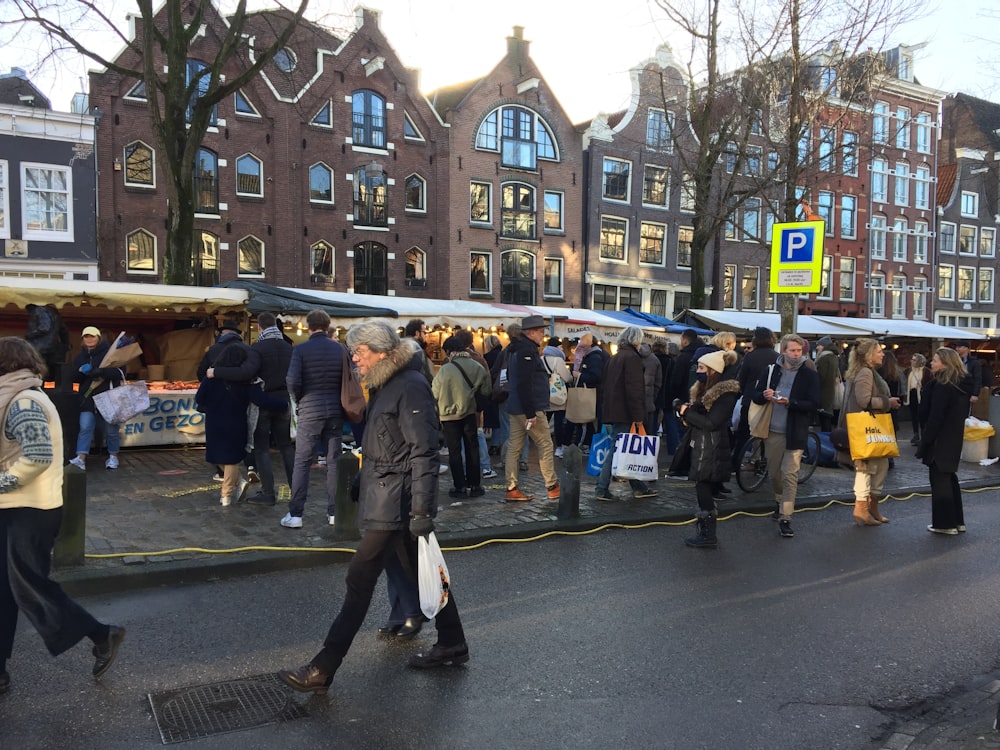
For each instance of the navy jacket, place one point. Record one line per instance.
(314, 375)
(529, 380)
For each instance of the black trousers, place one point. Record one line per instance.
(26, 539)
(362, 575)
(946, 499)
(459, 432)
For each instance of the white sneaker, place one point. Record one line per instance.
(218, 478)
(321, 461)
(443, 469)
(490, 474)
(559, 452)
(241, 490)
(111, 463)
(331, 520)
(225, 501)
(291, 522)
(252, 476)
(80, 463)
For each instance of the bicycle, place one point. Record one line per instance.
(753, 462)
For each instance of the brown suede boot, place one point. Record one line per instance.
(861, 515)
(873, 510)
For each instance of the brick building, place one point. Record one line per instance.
(516, 181)
(326, 171)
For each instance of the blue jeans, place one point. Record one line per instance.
(89, 420)
(401, 587)
(604, 480)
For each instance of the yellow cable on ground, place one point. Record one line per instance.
(485, 542)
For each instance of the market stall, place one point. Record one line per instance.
(171, 419)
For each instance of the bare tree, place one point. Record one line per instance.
(181, 100)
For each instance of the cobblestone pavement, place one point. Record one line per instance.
(165, 501)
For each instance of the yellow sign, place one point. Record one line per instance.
(797, 257)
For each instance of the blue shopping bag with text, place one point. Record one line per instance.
(600, 447)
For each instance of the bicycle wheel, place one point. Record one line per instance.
(810, 458)
(753, 465)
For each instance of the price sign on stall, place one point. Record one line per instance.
(797, 257)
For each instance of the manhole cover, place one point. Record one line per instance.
(205, 710)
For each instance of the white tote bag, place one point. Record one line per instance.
(635, 454)
(432, 576)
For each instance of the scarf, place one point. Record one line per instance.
(11, 385)
(270, 333)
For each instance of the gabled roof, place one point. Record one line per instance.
(946, 183)
(447, 98)
(22, 92)
(986, 116)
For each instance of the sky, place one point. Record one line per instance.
(585, 48)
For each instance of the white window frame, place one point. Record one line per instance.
(561, 197)
(987, 248)
(880, 123)
(922, 187)
(407, 120)
(923, 128)
(848, 213)
(688, 201)
(151, 185)
(663, 243)
(604, 179)
(901, 186)
(488, 221)
(683, 232)
(333, 189)
(879, 229)
(422, 208)
(986, 274)
(848, 270)
(263, 264)
(944, 234)
(920, 298)
(600, 253)
(971, 277)
(902, 139)
(666, 186)
(849, 159)
(142, 271)
(750, 224)
(968, 230)
(260, 165)
(560, 294)
(970, 204)
(327, 108)
(750, 274)
(729, 274)
(420, 265)
(880, 180)
(946, 274)
(668, 118)
(897, 293)
(48, 235)
(900, 233)
(876, 295)
(921, 238)
(826, 278)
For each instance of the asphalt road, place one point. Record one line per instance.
(620, 639)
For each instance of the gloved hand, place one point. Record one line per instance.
(421, 526)
(85, 368)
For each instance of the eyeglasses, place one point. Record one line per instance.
(360, 351)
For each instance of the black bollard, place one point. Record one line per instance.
(346, 526)
(569, 483)
(68, 549)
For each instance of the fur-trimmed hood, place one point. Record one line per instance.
(717, 391)
(402, 357)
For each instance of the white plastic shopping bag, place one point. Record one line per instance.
(635, 454)
(432, 576)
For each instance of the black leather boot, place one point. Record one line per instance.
(706, 532)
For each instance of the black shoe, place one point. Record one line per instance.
(4, 682)
(450, 656)
(306, 679)
(410, 628)
(785, 529)
(522, 465)
(723, 490)
(262, 499)
(105, 653)
(643, 492)
(456, 493)
(389, 631)
(476, 491)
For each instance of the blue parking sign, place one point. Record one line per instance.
(797, 245)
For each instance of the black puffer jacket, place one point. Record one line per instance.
(943, 409)
(710, 443)
(244, 373)
(399, 474)
(314, 376)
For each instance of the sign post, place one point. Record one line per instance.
(797, 260)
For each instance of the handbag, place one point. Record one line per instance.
(635, 454)
(481, 401)
(557, 388)
(433, 580)
(120, 404)
(581, 405)
(871, 436)
(600, 445)
(352, 397)
(759, 415)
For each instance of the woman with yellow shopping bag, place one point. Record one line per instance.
(943, 406)
(868, 392)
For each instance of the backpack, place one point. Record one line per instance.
(557, 386)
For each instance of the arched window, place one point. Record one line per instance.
(370, 196)
(250, 176)
(320, 184)
(416, 193)
(140, 165)
(368, 113)
(321, 257)
(140, 252)
(205, 259)
(517, 278)
(371, 274)
(517, 211)
(416, 267)
(251, 257)
(206, 182)
(519, 134)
